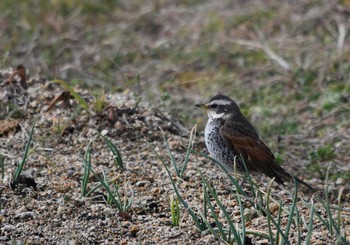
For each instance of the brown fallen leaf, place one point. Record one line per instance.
(21, 72)
(111, 115)
(9, 127)
(124, 215)
(65, 97)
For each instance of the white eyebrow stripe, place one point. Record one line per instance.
(220, 102)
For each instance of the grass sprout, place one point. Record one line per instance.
(292, 211)
(114, 198)
(175, 211)
(189, 150)
(311, 223)
(2, 167)
(117, 158)
(87, 170)
(234, 235)
(60, 125)
(113, 195)
(20, 167)
(76, 96)
(269, 217)
(334, 227)
(201, 226)
(181, 168)
(99, 101)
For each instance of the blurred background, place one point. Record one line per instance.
(286, 63)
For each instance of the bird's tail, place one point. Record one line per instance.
(283, 174)
(303, 183)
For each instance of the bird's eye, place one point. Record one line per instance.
(213, 106)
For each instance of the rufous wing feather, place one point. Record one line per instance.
(255, 153)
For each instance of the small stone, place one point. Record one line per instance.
(25, 215)
(133, 230)
(339, 181)
(74, 242)
(8, 227)
(143, 183)
(274, 207)
(60, 210)
(104, 132)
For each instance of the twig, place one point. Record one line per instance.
(341, 35)
(266, 48)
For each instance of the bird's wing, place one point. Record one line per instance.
(256, 154)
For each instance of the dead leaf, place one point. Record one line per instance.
(124, 215)
(9, 127)
(21, 72)
(111, 115)
(65, 97)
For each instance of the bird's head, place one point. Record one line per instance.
(221, 106)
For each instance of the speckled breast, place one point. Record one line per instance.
(217, 146)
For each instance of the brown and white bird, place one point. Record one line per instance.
(229, 135)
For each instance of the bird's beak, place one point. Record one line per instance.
(203, 106)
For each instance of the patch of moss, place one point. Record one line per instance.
(322, 153)
(279, 158)
(259, 16)
(329, 105)
(325, 153)
(315, 168)
(345, 175)
(284, 128)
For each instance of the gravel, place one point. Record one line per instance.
(46, 207)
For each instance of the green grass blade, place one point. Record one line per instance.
(311, 224)
(2, 167)
(236, 234)
(279, 216)
(205, 200)
(341, 225)
(239, 189)
(333, 226)
(76, 96)
(208, 225)
(105, 184)
(326, 204)
(268, 214)
(247, 176)
(263, 209)
(188, 151)
(93, 189)
(116, 193)
(198, 223)
(87, 168)
(20, 167)
(117, 157)
(242, 194)
(172, 159)
(175, 211)
(127, 204)
(212, 210)
(243, 232)
(292, 210)
(297, 224)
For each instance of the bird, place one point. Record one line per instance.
(230, 137)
